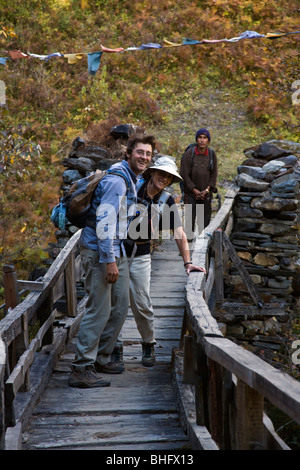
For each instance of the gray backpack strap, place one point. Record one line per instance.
(162, 200)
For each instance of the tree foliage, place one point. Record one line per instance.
(50, 103)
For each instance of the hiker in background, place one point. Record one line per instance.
(106, 266)
(160, 211)
(199, 173)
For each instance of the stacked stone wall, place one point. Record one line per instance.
(266, 238)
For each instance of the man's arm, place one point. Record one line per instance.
(113, 190)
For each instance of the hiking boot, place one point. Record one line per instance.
(148, 357)
(117, 355)
(87, 379)
(110, 368)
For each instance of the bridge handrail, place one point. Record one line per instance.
(20, 349)
(230, 383)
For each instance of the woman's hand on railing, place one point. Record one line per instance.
(192, 267)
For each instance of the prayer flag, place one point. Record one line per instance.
(94, 59)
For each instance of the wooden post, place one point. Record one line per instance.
(44, 312)
(188, 361)
(71, 287)
(249, 419)
(2, 401)
(219, 281)
(215, 402)
(10, 283)
(201, 386)
(227, 408)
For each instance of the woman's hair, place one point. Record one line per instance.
(140, 138)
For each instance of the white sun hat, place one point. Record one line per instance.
(166, 164)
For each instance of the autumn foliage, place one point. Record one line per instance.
(50, 103)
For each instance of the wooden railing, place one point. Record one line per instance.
(31, 338)
(222, 386)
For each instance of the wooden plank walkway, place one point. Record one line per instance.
(138, 411)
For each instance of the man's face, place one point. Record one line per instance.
(140, 158)
(202, 141)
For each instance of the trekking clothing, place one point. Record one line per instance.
(140, 269)
(139, 294)
(198, 172)
(106, 310)
(170, 223)
(107, 304)
(111, 192)
(199, 175)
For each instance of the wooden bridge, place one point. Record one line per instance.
(204, 393)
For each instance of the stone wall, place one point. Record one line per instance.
(266, 238)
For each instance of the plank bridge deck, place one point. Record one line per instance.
(138, 411)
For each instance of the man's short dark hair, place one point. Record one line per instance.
(140, 139)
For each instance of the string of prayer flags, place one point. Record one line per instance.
(94, 58)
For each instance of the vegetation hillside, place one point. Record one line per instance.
(242, 91)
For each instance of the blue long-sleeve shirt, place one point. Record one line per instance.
(114, 205)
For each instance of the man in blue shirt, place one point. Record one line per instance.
(106, 266)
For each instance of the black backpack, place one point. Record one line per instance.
(75, 206)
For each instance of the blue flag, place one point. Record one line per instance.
(94, 62)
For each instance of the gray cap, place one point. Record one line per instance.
(164, 164)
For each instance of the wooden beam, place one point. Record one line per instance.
(36, 286)
(249, 425)
(240, 309)
(70, 276)
(219, 273)
(242, 271)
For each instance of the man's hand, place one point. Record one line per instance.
(112, 273)
(200, 194)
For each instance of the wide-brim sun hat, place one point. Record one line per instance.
(166, 164)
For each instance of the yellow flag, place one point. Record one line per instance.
(73, 58)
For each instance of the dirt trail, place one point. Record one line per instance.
(223, 112)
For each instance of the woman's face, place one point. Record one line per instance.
(161, 179)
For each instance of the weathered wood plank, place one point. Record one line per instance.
(57, 431)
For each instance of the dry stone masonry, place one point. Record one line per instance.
(266, 238)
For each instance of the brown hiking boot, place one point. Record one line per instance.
(148, 357)
(116, 356)
(110, 368)
(87, 379)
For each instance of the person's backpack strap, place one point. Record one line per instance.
(139, 184)
(119, 173)
(164, 196)
(211, 158)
